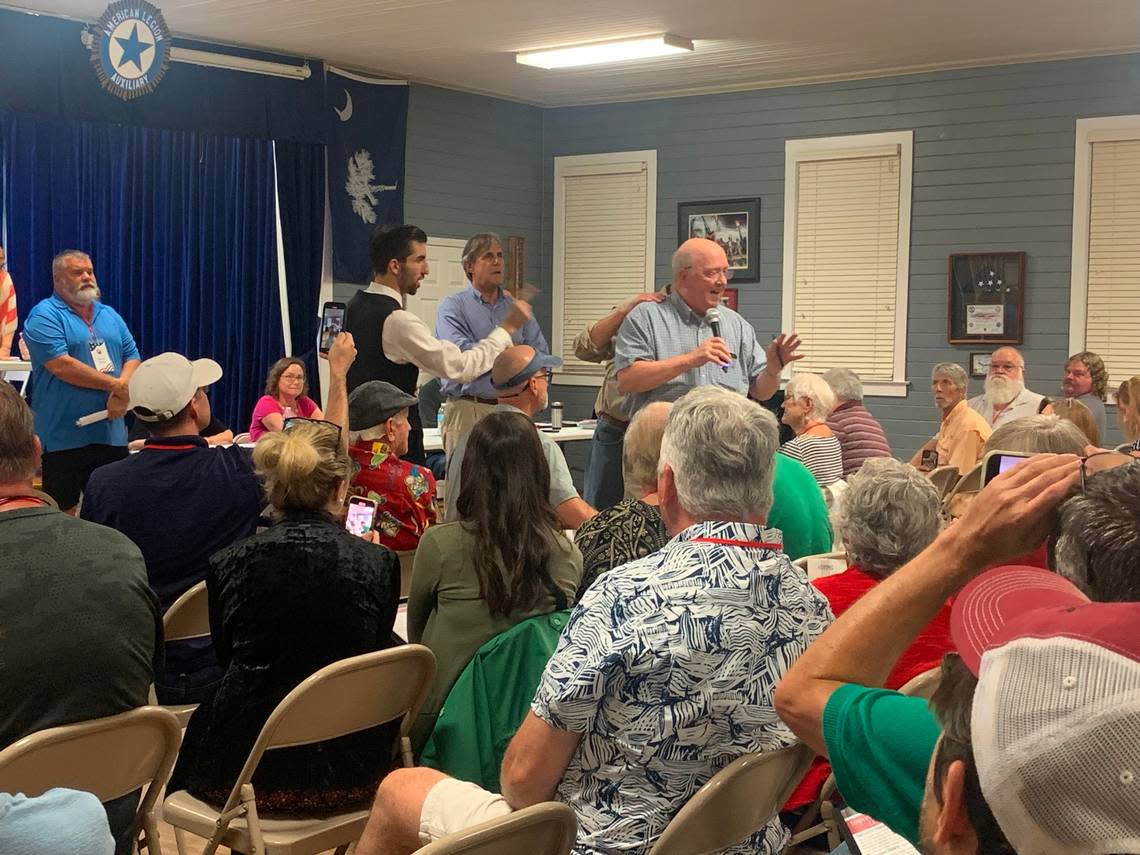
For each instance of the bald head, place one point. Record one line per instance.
(696, 251)
(1009, 362)
(510, 362)
(642, 449)
(530, 392)
(700, 274)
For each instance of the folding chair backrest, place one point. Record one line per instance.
(188, 616)
(944, 478)
(547, 828)
(109, 757)
(823, 564)
(351, 695)
(736, 802)
(924, 685)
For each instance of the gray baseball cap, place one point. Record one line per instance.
(374, 402)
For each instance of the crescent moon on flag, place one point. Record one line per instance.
(346, 113)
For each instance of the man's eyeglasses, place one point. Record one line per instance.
(715, 272)
(293, 421)
(1102, 461)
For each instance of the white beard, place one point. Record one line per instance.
(1001, 390)
(87, 295)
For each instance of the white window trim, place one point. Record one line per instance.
(1089, 131)
(838, 148)
(585, 164)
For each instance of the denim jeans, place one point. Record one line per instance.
(604, 486)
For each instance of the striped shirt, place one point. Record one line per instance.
(820, 454)
(859, 433)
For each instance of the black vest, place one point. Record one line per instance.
(364, 318)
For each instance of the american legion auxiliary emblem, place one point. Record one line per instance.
(130, 48)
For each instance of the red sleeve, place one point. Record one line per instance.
(843, 589)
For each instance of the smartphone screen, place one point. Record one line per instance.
(999, 461)
(361, 512)
(332, 324)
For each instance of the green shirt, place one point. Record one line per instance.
(880, 744)
(447, 612)
(798, 510)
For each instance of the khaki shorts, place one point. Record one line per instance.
(453, 805)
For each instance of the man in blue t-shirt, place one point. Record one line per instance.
(83, 356)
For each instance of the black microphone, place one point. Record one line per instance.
(713, 317)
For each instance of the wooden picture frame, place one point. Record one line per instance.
(980, 364)
(734, 224)
(986, 298)
(515, 263)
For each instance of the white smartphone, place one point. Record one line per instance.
(361, 514)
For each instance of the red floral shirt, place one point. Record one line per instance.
(404, 493)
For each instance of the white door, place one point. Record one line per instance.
(445, 276)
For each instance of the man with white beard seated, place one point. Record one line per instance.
(1005, 397)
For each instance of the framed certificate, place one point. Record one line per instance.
(987, 298)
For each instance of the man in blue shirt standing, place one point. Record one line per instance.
(83, 356)
(468, 317)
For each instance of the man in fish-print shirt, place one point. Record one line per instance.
(404, 492)
(665, 672)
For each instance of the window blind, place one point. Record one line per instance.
(1113, 316)
(604, 230)
(846, 264)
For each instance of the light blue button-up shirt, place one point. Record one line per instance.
(656, 331)
(464, 319)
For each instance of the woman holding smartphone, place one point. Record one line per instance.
(283, 604)
(286, 397)
(503, 561)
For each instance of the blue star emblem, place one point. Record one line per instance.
(133, 48)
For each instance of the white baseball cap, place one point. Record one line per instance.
(164, 384)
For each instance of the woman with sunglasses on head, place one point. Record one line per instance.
(286, 396)
(285, 603)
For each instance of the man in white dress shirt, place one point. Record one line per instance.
(393, 344)
(1005, 397)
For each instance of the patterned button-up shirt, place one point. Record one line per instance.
(667, 668)
(656, 331)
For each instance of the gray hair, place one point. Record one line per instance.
(61, 257)
(887, 515)
(815, 387)
(953, 372)
(845, 383)
(476, 245)
(17, 437)
(641, 449)
(1099, 536)
(1038, 435)
(720, 446)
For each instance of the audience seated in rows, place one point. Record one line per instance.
(179, 500)
(1072, 410)
(1128, 410)
(283, 604)
(962, 434)
(859, 433)
(521, 377)
(632, 528)
(808, 401)
(286, 397)
(1006, 758)
(378, 437)
(665, 671)
(80, 623)
(888, 514)
(1005, 397)
(502, 560)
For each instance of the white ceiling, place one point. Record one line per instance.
(470, 44)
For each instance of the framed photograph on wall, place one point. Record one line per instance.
(987, 298)
(731, 298)
(980, 364)
(734, 224)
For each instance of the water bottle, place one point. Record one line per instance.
(556, 415)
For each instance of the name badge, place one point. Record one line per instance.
(101, 357)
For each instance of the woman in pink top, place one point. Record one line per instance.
(284, 398)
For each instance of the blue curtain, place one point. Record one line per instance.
(180, 227)
(301, 195)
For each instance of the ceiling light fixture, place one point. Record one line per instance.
(595, 53)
